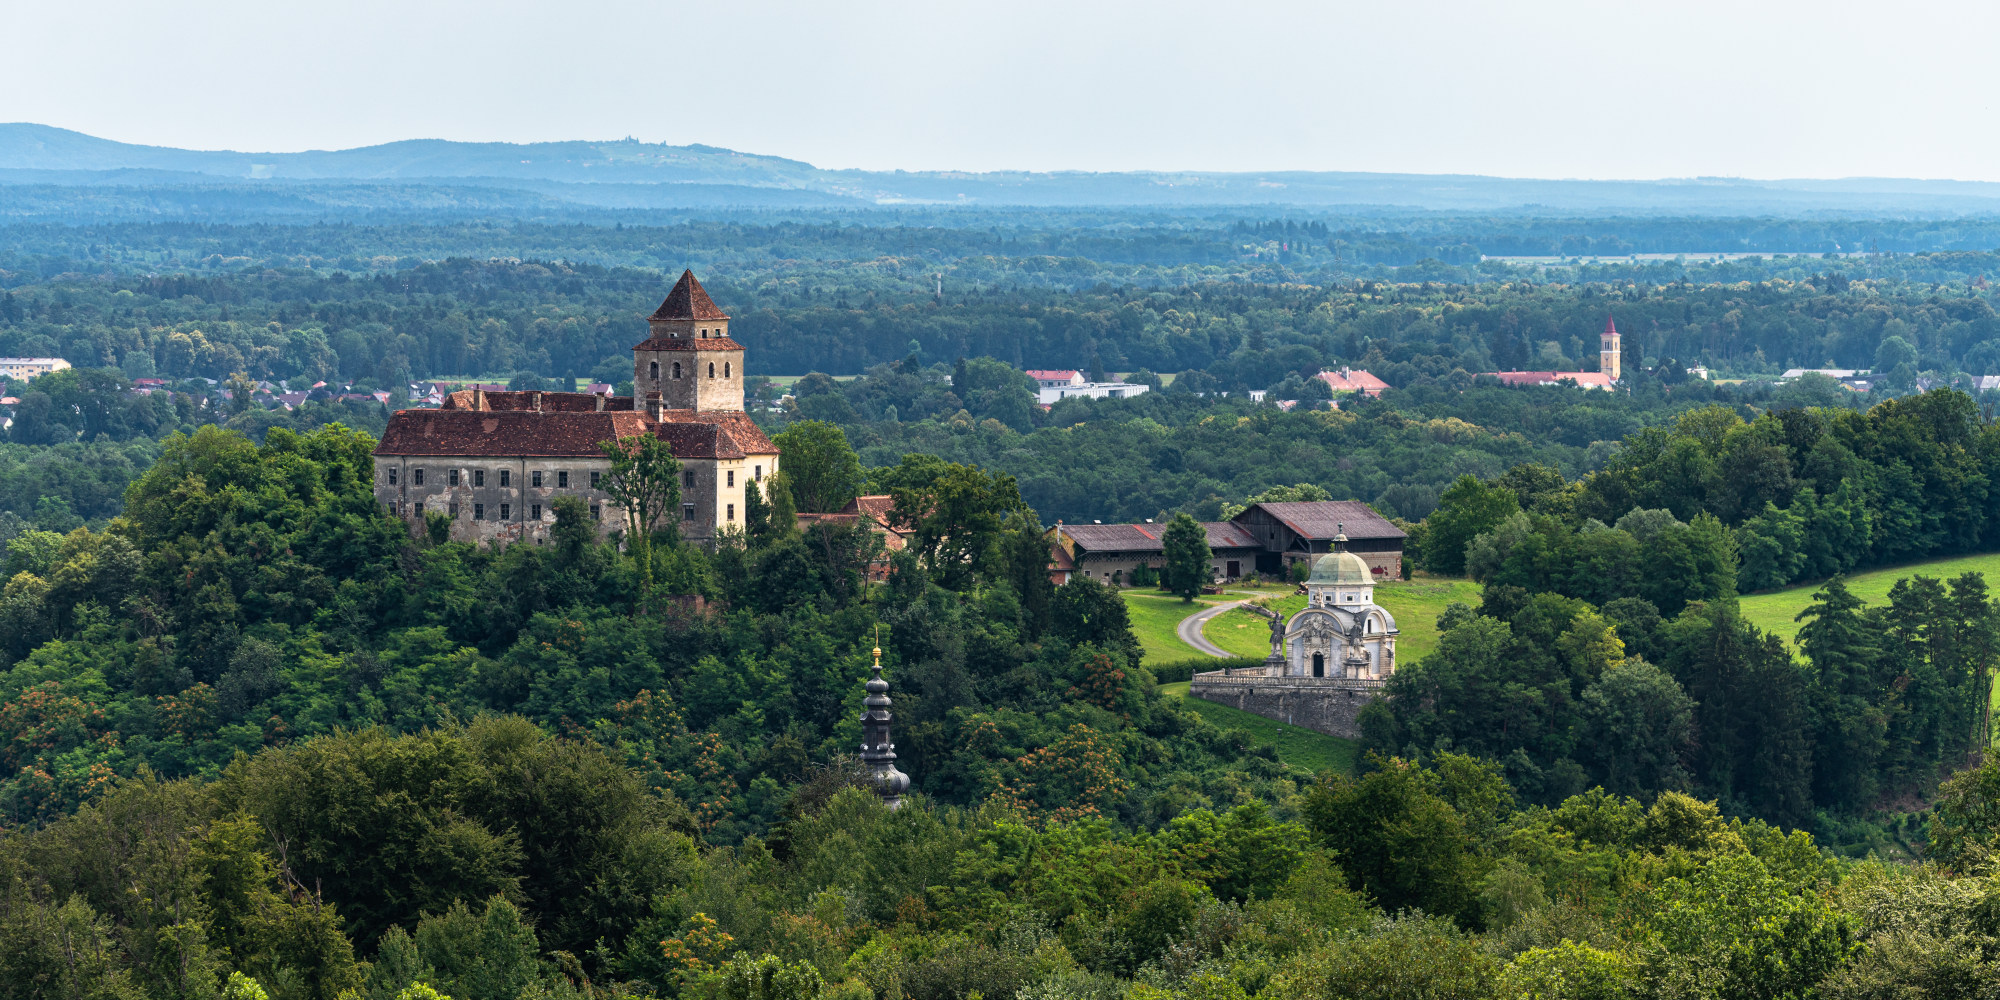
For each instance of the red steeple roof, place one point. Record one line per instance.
(688, 301)
(1610, 328)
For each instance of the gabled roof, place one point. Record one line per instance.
(688, 300)
(505, 433)
(1588, 380)
(1353, 380)
(1150, 537)
(1322, 519)
(1051, 375)
(748, 438)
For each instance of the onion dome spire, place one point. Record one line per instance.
(878, 754)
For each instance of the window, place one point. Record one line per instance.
(535, 478)
(454, 477)
(687, 477)
(593, 479)
(504, 512)
(725, 369)
(479, 512)
(479, 477)
(759, 472)
(416, 476)
(595, 512)
(654, 370)
(505, 476)
(392, 477)
(534, 512)
(687, 512)
(711, 369)
(420, 508)
(452, 510)
(677, 369)
(732, 477)
(562, 479)
(732, 512)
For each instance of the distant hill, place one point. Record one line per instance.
(628, 173)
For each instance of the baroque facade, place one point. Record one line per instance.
(494, 462)
(1327, 662)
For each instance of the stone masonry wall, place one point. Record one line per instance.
(1326, 706)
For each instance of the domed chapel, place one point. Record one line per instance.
(1341, 632)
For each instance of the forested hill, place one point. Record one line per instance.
(42, 154)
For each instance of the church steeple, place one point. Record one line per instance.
(878, 754)
(1607, 350)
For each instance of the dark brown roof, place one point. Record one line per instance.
(687, 344)
(1101, 538)
(698, 440)
(688, 300)
(504, 433)
(1321, 519)
(749, 437)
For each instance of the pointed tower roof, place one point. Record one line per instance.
(688, 300)
(1610, 328)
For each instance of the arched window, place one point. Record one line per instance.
(677, 369)
(655, 376)
(725, 369)
(711, 369)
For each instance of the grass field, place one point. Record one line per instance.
(1774, 611)
(1296, 745)
(1154, 617)
(1416, 605)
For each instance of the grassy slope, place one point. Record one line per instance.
(1773, 611)
(1296, 745)
(1416, 605)
(1155, 616)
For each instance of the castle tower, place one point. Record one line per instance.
(1607, 349)
(689, 360)
(878, 754)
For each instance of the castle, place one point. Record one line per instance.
(1328, 662)
(494, 462)
(1608, 372)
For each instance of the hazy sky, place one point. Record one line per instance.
(1545, 89)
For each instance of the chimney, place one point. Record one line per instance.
(478, 398)
(654, 405)
(535, 400)
(600, 400)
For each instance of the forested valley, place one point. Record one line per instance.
(259, 738)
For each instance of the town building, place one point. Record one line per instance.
(1348, 380)
(872, 512)
(494, 461)
(1327, 663)
(30, 368)
(1055, 378)
(1262, 538)
(1609, 364)
(1049, 395)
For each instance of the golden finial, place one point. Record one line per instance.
(878, 646)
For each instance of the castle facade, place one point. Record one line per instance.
(494, 462)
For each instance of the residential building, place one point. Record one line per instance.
(1352, 380)
(29, 368)
(873, 512)
(1109, 553)
(1049, 395)
(1055, 379)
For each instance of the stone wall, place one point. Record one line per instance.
(1329, 706)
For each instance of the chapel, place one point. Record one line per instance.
(1341, 633)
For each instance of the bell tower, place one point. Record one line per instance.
(689, 359)
(1607, 349)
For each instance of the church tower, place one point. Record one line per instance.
(1607, 349)
(689, 360)
(878, 753)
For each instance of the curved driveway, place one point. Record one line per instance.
(1190, 628)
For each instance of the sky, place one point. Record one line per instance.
(1603, 89)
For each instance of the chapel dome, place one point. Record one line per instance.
(1339, 569)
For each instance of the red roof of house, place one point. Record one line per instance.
(1322, 519)
(1051, 374)
(505, 433)
(1588, 380)
(749, 438)
(688, 300)
(1353, 380)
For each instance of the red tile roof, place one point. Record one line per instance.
(1610, 327)
(1353, 380)
(687, 344)
(1051, 375)
(504, 433)
(688, 300)
(749, 438)
(1588, 380)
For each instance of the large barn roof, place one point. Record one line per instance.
(1150, 537)
(1322, 519)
